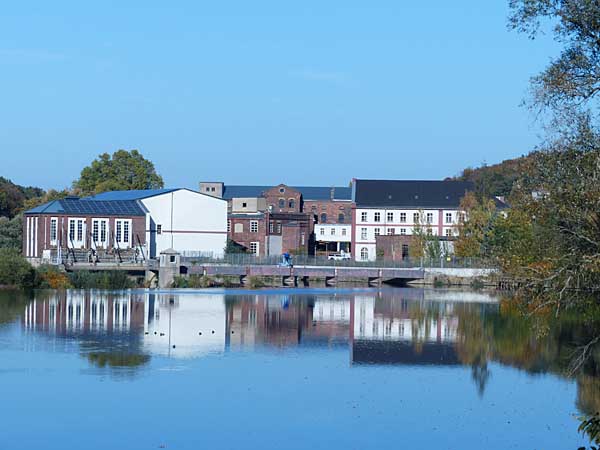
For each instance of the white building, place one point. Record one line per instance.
(399, 207)
(185, 220)
(336, 237)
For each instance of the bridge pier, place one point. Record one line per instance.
(330, 281)
(305, 282)
(289, 280)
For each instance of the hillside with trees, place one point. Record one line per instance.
(496, 180)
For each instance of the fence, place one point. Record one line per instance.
(306, 260)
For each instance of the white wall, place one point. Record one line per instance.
(338, 235)
(190, 222)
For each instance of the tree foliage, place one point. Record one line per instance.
(13, 196)
(572, 79)
(11, 232)
(15, 270)
(123, 170)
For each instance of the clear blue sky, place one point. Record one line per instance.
(314, 92)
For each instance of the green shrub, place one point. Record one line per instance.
(51, 277)
(194, 282)
(255, 282)
(110, 279)
(15, 270)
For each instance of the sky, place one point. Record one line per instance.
(263, 92)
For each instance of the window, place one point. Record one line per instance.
(341, 218)
(159, 228)
(322, 231)
(323, 218)
(291, 203)
(363, 233)
(282, 203)
(254, 248)
(313, 208)
(253, 226)
(391, 231)
(238, 228)
(71, 230)
(302, 238)
(278, 230)
(80, 230)
(95, 231)
(53, 230)
(377, 231)
(123, 232)
(363, 216)
(449, 232)
(429, 217)
(364, 254)
(333, 231)
(271, 226)
(281, 190)
(429, 232)
(212, 189)
(207, 189)
(461, 217)
(343, 232)
(377, 217)
(244, 205)
(403, 217)
(104, 231)
(390, 217)
(416, 218)
(403, 231)
(229, 226)
(448, 217)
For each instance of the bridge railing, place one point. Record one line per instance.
(307, 260)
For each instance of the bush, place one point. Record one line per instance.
(110, 279)
(194, 281)
(51, 277)
(15, 270)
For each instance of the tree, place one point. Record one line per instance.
(124, 170)
(474, 230)
(11, 232)
(572, 79)
(15, 270)
(12, 197)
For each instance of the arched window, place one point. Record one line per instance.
(341, 218)
(291, 203)
(282, 203)
(364, 254)
(323, 218)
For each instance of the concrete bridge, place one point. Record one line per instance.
(331, 272)
(293, 276)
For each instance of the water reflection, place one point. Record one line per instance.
(394, 327)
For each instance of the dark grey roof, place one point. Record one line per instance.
(78, 206)
(308, 192)
(410, 193)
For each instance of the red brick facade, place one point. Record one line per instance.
(43, 241)
(332, 211)
(283, 199)
(245, 235)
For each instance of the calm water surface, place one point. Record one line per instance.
(284, 369)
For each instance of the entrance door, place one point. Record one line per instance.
(76, 236)
(99, 233)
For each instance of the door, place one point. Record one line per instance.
(76, 233)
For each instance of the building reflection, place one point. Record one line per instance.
(398, 327)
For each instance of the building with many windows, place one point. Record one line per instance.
(271, 220)
(404, 207)
(138, 222)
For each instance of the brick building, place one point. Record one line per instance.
(270, 220)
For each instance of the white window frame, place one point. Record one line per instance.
(377, 231)
(256, 249)
(429, 218)
(97, 240)
(364, 254)
(254, 226)
(363, 233)
(120, 229)
(73, 224)
(54, 239)
(364, 216)
(390, 216)
(377, 217)
(403, 217)
(448, 217)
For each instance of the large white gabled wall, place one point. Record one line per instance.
(188, 221)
